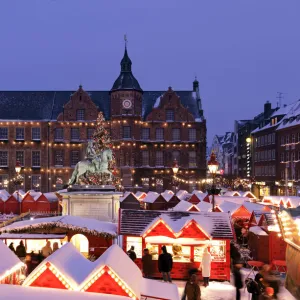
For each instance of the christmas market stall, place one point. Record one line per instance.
(11, 268)
(112, 273)
(185, 234)
(286, 201)
(90, 236)
(130, 201)
(290, 232)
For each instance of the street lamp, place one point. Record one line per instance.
(175, 169)
(18, 180)
(213, 166)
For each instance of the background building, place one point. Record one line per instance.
(47, 132)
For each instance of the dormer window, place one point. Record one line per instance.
(80, 115)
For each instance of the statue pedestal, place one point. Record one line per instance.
(95, 202)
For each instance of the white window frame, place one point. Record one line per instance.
(73, 137)
(60, 162)
(20, 133)
(36, 136)
(22, 163)
(37, 178)
(3, 133)
(2, 161)
(32, 162)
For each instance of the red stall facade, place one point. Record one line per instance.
(185, 235)
(12, 205)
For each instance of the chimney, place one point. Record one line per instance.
(267, 109)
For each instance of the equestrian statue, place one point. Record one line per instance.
(93, 164)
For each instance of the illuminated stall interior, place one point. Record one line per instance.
(185, 235)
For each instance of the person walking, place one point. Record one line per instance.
(47, 250)
(21, 251)
(131, 253)
(147, 264)
(206, 266)
(11, 247)
(268, 294)
(192, 289)
(238, 283)
(165, 264)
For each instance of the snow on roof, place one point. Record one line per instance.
(4, 195)
(245, 194)
(183, 195)
(216, 225)
(21, 236)
(151, 197)
(254, 206)
(293, 200)
(228, 206)
(70, 262)
(204, 206)
(182, 206)
(8, 260)
(19, 194)
(157, 102)
(52, 197)
(159, 290)
(257, 230)
(115, 258)
(90, 226)
(167, 195)
(237, 199)
(232, 193)
(140, 195)
(126, 194)
(17, 292)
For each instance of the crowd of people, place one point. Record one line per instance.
(33, 259)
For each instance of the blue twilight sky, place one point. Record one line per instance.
(243, 52)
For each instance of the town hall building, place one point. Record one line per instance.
(47, 132)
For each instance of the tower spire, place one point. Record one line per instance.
(126, 61)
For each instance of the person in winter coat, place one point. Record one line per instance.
(131, 253)
(21, 250)
(11, 247)
(238, 283)
(47, 250)
(192, 290)
(165, 264)
(147, 264)
(258, 287)
(205, 266)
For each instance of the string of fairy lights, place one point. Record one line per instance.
(78, 144)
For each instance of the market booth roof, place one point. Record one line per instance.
(138, 222)
(83, 225)
(14, 292)
(112, 273)
(9, 262)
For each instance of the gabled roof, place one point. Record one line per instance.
(151, 197)
(9, 262)
(47, 105)
(167, 195)
(135, 222)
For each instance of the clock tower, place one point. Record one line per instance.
(126, 112)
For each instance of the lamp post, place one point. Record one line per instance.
(175, 169)
(18, 180)
(213, 166)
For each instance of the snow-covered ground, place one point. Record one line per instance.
(226, 291)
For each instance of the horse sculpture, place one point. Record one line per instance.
(82, 167)
(105, 157)
(99, 164)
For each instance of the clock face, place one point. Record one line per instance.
(127, 104)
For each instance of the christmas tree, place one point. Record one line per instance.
(101, 142)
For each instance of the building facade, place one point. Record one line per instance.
(47, 131)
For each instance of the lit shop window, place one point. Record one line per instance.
(198, 253)
(153, 250)
(180, 253)
(218, 251)
(137, 243)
